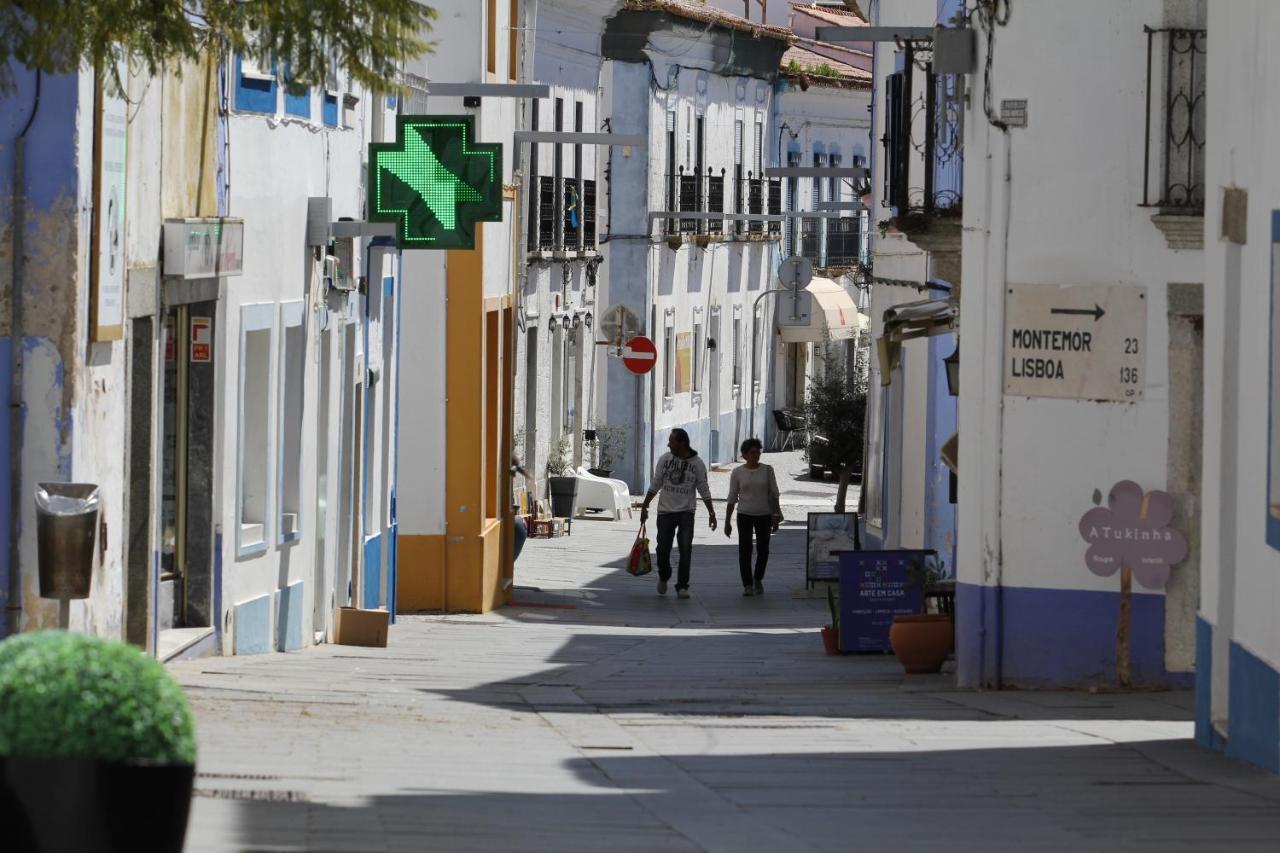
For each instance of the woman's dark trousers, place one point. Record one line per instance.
(760, 525)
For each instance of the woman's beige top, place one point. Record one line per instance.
(754, 491)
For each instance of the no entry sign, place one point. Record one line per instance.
(639, 355)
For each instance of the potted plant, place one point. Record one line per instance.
(562, 486)
(831, 633)
(97, 746)
(921, 641)
(609, 442)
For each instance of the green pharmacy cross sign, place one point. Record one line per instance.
(435, 182)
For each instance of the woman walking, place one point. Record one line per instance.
(755, 487)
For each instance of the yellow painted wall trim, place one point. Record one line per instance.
(420, 573)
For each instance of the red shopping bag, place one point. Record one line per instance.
(640, 563)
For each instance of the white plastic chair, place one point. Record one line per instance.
(602, 493)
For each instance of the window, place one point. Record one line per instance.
(755, 344)
(739, 197)
(671, 169)
(571, 381)
(897, 141)
(255, 86)
(873, 466)
(254, 427)
(698, 346)
(557, 175)
(1176, 119)
(737, 351)
(535, 185)
(289, 418)
(669, 361)
(299, 103)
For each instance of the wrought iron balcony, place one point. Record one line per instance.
(924, 135)
(1175, 121)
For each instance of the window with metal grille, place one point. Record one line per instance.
(755, 202)
(1175, 123)
(588, 214)
(715, 202)
(572, 215)
(897, 141)
(739, 190)
(775, 204)
(671, 226)
(688, 201)
(546, 214)
(844, 241)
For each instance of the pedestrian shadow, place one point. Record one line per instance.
(1151, 795)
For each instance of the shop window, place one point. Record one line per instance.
(254, 427)
(289, 434)
(255, 86)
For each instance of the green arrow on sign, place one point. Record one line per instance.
(435, 182)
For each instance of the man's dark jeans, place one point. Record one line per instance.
(760, 525)
(676, 526)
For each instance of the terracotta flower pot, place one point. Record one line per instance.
(831, 640)
(921, 642)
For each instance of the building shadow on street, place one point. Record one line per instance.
(1154, 795)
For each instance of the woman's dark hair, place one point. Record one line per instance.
(680, 434)
(751, 443)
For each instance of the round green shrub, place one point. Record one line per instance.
(65, 695)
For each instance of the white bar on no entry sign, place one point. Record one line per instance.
(628, 352)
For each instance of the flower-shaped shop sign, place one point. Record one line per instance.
(1133, 530)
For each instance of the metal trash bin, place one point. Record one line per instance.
(66, 529)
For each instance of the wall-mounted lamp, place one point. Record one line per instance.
(952, 363)
(586, 319)
(553, 323)
(577, 320)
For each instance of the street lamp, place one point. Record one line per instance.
(952, 363)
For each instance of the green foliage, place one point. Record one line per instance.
(368, 38)
(560, 459)
(65, 695)
(833, 606)
(925, 573)
(610, 442)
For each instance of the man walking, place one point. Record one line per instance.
(680, 477)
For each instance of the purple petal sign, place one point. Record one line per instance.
(1133, 530)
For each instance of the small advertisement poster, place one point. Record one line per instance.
(828, 533)
(875, 586)
(684, 361)
(201, 339)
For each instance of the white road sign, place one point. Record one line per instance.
(1084, 342)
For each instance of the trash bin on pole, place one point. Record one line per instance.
(66, 529)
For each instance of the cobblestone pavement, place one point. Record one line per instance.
(593, 714)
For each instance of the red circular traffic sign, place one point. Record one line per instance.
(639, 355)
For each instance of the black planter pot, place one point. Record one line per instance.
(564, 495)
(601, 472)
(55, 804)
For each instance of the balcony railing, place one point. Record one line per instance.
(1175, 123)
(572, 215)
(589, 214)
(691, 201)
(715, 202)
(546, 214)
(844, 241)
(775, 205)
(924, 133)
(755, 202)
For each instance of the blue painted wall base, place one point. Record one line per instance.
(253, 626)
(289, 617)
(1253, 721)
(1056, 638)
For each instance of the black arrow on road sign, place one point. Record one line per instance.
(1096, 311)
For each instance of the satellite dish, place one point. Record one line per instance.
(619, 324)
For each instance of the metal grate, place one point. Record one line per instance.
(775, 204)
(1178, 56)
(572, 208)
(755, 203)
(689, 198)
(715, 202)
(546, 214)
(589, 214)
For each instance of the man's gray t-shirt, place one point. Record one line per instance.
(679, 482)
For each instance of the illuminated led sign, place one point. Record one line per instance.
(435, 182)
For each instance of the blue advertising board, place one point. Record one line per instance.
(875, 587)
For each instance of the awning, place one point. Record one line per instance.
(911, 320)
(833, 317)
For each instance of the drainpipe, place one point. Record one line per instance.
(13, 610)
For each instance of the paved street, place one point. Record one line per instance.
(593, 714)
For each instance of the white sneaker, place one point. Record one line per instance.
(682, 593)
(662, 587)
